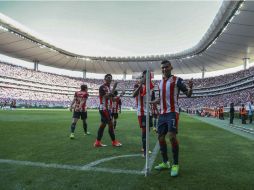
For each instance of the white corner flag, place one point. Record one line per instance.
(147, 120)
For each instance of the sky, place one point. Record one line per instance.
(114, 28)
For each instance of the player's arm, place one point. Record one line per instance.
(114, 87)
(183, 87)
(155, 101)
(137, 89)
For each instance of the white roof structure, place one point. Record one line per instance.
(227, 42)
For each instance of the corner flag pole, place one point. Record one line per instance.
(147, 120)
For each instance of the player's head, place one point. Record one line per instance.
(115, 93)
(166, 68)
(143, 76)
(108, 78)
(83, 87)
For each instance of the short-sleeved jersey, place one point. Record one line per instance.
(80, 97)
(141, 102)
(169, 92)
(114, 105)
(104, 102)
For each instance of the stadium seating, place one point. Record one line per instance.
(36, 88)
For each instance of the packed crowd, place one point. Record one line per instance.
(22, 73)
(28, 98)
(223, 79)
(33, 97)
(238, 98)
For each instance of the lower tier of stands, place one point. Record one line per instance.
(29, 98)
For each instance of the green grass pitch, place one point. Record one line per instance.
(210, 158)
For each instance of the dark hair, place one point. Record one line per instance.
(115, 93)
(107, 75)
(165, 62)
(83, 87)
(144, 73)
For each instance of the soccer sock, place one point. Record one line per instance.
(144, 139)
(111, 132)
(155, 122)
(85, 126)
(175, 149)
(100, 131)
(114, 124)
(73, 126)
(163, 149)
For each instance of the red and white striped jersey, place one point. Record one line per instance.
(141, 102)
(114, 105)
(169, 93)
(79, 97)
(104, 102)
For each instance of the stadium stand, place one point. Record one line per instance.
(41, 89)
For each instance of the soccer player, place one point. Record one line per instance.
(115, 107)
(79, 106)
(169, 87)
(140, 94)
(105, 94)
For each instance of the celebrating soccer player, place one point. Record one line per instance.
(140, 94)
(105, 94)
(79, 106)
(169, 87)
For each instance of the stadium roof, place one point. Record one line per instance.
(226, 43)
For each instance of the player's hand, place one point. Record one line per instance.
(70, 109)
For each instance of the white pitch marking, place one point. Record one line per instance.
(87, 167)
(108, 159)
(152, 157)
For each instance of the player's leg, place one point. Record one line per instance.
(155, 122)
(173, 128)
(84, 117)
(115, 117)
(162, 131)
(100, 132)
(112, 132)
(75, 119)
